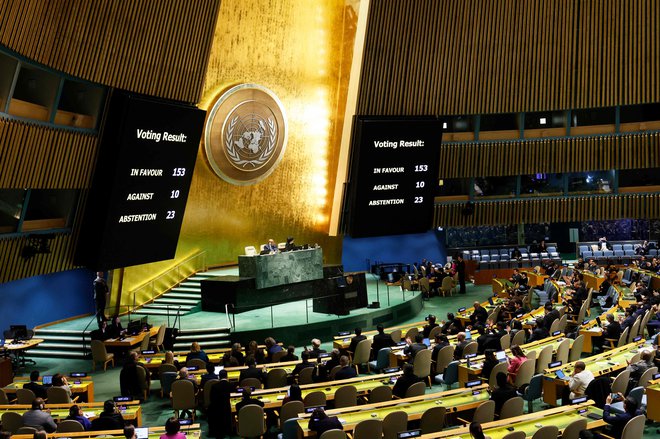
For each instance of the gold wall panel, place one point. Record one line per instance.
(155, 47)
(582, 208)
(500, 56)
(301, 50)
(557, 155)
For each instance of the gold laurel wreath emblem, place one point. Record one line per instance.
(263, 157)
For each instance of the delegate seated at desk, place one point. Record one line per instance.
(290, 245)
(270, 248)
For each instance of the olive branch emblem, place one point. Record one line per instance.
(263, 157)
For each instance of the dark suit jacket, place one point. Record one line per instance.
(479, 315)
(345, 373)
(108, 421)
(243, 402)
(38, 389)
(402, 384)
(412, 350)
(320, 426)
(502, 395)
(252, 372)
(219, 411)
(381, 341)
(354, 342)
(613, 330)
(549, 318)
(538, 334)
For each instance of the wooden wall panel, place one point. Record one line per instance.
(15, 267)
(571, 154)
(500, 56)
(155, 47)
(582, 208)
(35, 157)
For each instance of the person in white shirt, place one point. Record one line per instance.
(579, 380)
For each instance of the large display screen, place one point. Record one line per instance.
(138, 197)
(394, 175)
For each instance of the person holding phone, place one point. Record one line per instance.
(579, 380)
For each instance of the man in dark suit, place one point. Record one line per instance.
(405, 381)
(251, 371)
(460, 269)
(34, 385)
(551, 314)
(109, 419)
(346, 370)
(611, 330)
(319, 422)
(460, 345)
(430, 325)
(480, 315)
(412, 348)
(539, 332)
(381, 340)
(303, 364)
(247, 400)
(355, 340)
(219, 411)
(440, 342)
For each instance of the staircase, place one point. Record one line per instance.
(59, 343)
(185, 299)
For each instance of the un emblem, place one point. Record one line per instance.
(246, 134)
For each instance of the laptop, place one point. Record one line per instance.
(501, 356)
(598, 322)
(47, 380)
(427, 342)
(142, 433)
(468, 335)
(561, 375)
(217, 369)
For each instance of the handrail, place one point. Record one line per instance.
(176, 273)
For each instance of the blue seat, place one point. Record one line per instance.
(587, 254)
(533, 391)
(289, 429)
(450, 376)
(616, 247)
(627, 247)
(485, 258)
(166, 380)
(382, 360)
(583, 248)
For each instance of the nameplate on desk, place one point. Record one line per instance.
(554, 364)
(468, 356)
(656, 376)
(409, 434)
(192, 368)
(391, 369)
(343, 333)
(122, 398)
(461, 309)
(638, 338)
(324, 355)
(518, 316)
(579, 400)
(401, 343)
(473, 383)
(556, 333)
(149, 352)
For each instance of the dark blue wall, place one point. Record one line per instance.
(42, 299)
(397, 248)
